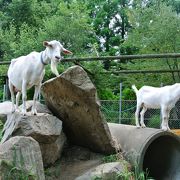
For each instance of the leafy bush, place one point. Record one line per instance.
(110, 158)
(128, 94)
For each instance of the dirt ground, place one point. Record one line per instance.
(74, 162)
(176, 131)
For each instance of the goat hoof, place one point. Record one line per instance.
(34, 112)
(168, 129)
(138, 127)
(165, 129)
(24, 113)
(13, 110)
(143, 126)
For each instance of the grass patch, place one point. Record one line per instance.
(11, 172)
(110, 158)
(15, 168)
(128, 173)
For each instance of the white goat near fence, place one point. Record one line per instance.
(27, 71)
(163, 98)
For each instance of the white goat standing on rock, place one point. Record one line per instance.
(27, 71)
(163, 98)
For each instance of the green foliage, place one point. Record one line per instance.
(69, 25)
(97, 28)
(107, 94)
(126, 174)
(103, 81)
(110, 22)
(26, 7)
(11, 170)
(110, 158)
(154, 121)
(156, 30)
(133, 175)
(128, 94)
(7, 42)
(154, 19)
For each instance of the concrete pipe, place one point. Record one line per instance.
(152, 150)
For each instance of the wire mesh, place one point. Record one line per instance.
(112, 113)
(152, 117)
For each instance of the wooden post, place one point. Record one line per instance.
(120, 103)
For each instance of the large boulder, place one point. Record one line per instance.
(44, 128)
(21, 156)
(73, 98)
(53, 151)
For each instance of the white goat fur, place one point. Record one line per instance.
(163, 98)
(27, 71)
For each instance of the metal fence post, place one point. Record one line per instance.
(120, 103)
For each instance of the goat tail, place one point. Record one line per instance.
(134, 88)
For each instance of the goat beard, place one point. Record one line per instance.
(54, 68)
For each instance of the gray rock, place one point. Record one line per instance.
(21, 154)
(105, 171)
(41, 108)
(51, 152)
(73, 98)
(44, 128)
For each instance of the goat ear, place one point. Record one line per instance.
(46, 44)
(65, 51)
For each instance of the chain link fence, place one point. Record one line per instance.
(126, 114)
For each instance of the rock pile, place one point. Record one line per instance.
(72, 115)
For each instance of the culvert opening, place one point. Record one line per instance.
(162, 158)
